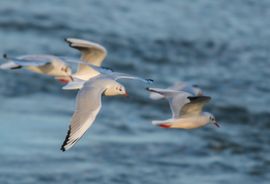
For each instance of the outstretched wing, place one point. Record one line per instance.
(194, 107)
(28, 60)
(88, 104)
(179, 86)
(91, 53)
(117, 76)
(177, 99)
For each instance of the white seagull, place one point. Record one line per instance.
(186, 110)
(88, 102)
(91, 53)
(179, 86)
(43, 64)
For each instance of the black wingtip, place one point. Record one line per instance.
(149, 80)
(66, 140)
(69, 42)
(151, 90)
(107, 68)
(62, 149)
(192, 98)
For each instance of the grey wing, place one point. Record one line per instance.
(177, 102)
(177, 99)
(158, 93)
(189, 88)
(29, 60)
(194, 107)
(88, 104)
(92, 53)
(117, 76)
(164, 92)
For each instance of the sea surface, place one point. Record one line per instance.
(223, 46)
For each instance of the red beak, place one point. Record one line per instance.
(63, 81)
(126, 94)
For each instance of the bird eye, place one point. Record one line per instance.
(64, 69)
(120, 89)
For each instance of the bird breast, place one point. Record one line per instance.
(189, 122)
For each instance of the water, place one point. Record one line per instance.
(222, 46)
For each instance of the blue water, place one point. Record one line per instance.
(221, 45)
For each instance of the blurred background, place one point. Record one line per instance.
(222, 46)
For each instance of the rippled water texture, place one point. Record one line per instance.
(223, 46)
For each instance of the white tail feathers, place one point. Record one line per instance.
(157, 123)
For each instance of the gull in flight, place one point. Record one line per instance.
(186, 110)
(91, 53)
(179, 86)
(43, 64)
(88, 101)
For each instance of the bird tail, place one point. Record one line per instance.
(9, 64)
(162, 124)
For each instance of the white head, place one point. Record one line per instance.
(211, 118)
(60, 68)
(65, 69)
(115, 90)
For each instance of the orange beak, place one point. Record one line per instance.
(126, 94)
(63, 81)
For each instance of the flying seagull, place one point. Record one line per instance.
(186, 110)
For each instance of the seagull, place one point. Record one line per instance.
(91, 53)
(43, 64)
(88, 102)
(179, 86)
(186, 110)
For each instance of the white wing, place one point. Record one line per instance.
(177, 99)
(88, 104)
(177, 102)
(105, 71)
(28, 60)
(91, 53)
(117, 76)
(179, 86)
(194, 107)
